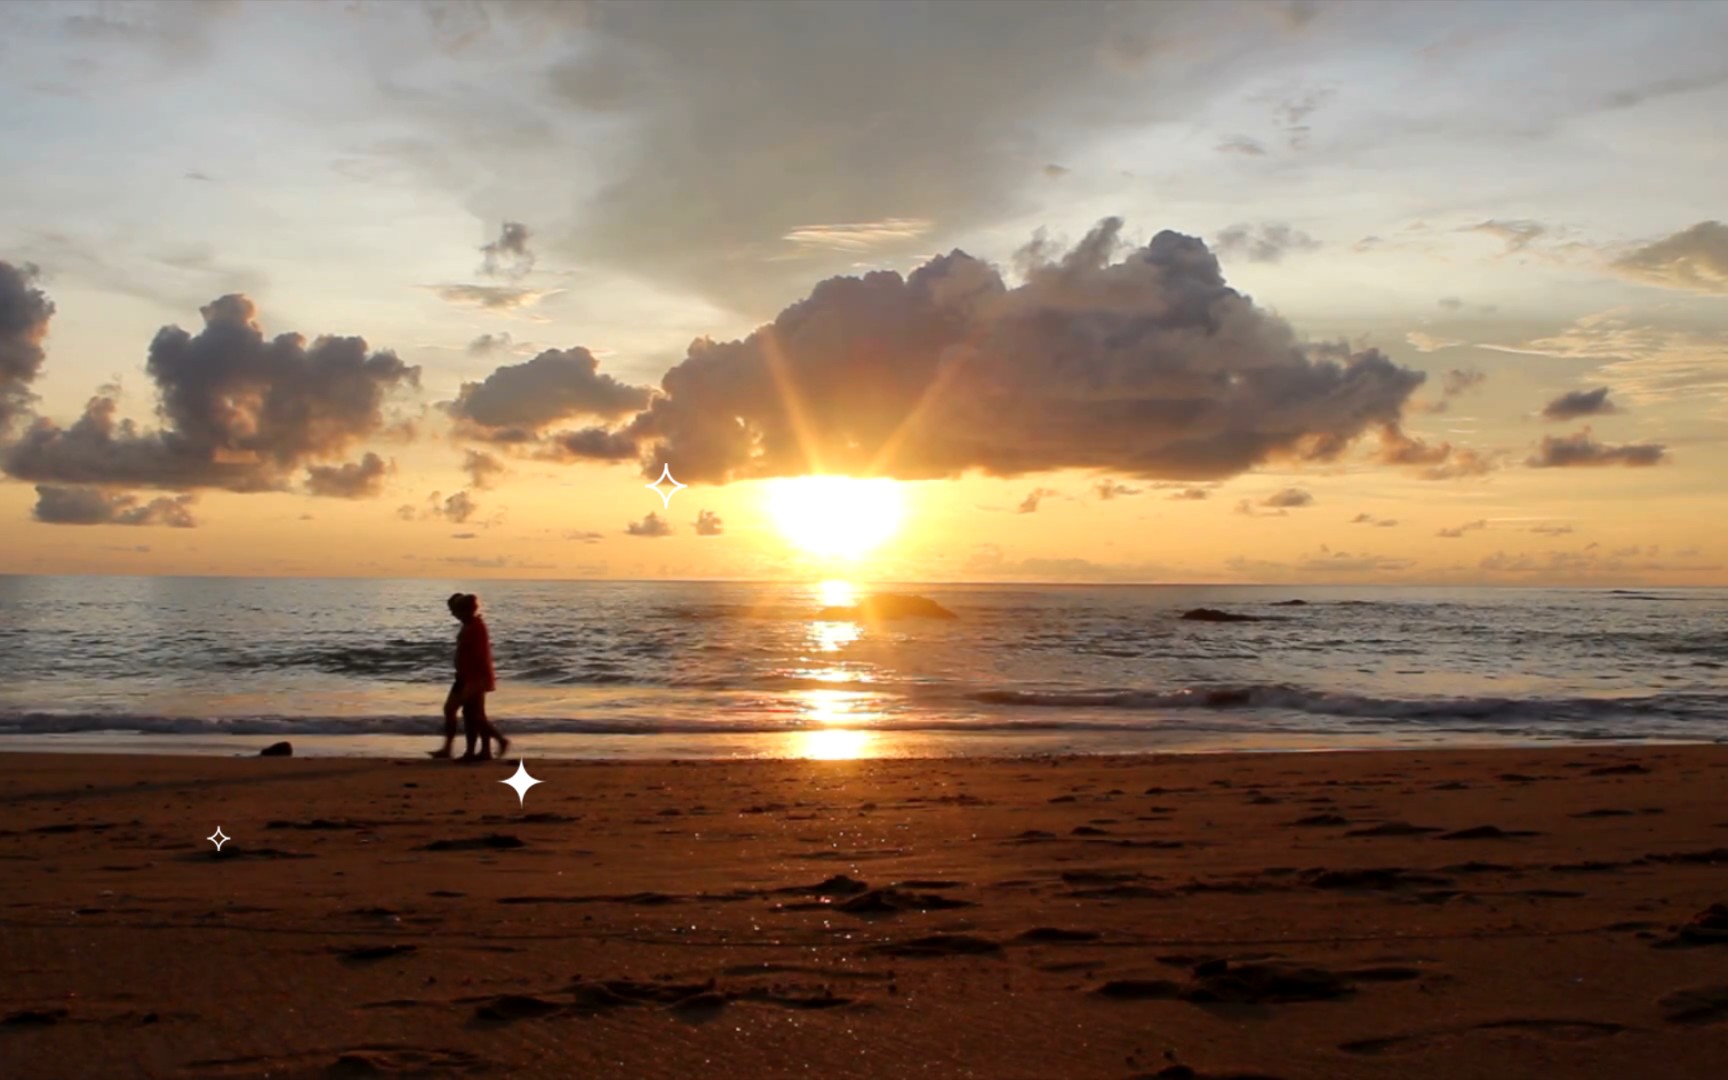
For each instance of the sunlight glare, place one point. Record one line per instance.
(835, 516)
(834, 593)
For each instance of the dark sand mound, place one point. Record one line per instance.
(1206, 614)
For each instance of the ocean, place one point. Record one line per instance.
(673, 669)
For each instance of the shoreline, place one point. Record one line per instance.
(832, 744)
(1307, 916)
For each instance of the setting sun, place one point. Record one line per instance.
(835, 515)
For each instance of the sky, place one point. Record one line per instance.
(1284, 291)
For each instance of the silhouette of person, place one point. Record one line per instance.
(475, 678)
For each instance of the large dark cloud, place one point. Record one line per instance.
(1582, 450)
(1150, 366)
(24, 314)
(517, 401)
(1577, 403)
(236, 411)
(56, 505)
(1695, 259)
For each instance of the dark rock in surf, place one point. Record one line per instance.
(881, 606)
(1206, 614)
(280, 749)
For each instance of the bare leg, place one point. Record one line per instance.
(452, 702)
(471, 723)
(487, 731)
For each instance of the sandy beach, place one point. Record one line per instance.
(1453, 913)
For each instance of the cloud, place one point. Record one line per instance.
(1551, 529)
(1695, 259)
(24, 314)
(708, 523)
(1277, 504)
(237, 411)
(1434, 461)
(56, 505)
(1269, 242)
(363, 479)
(1192, 494)
(1151, 366)
(492, 297)
(487, 344)
(1343, 562)
(517, 401)
(652, 525)
(1288, 498)
(508, 256)
(1370, 519)
(584, 536)
(1577, 403)
(1056, 172)
(1029, 505)
(481, 467)
(1461, 380)
(860, 236)
(1457, 532)
(1517, 235)
(1582, 450)
(1110, 489)
(1641, 359)
(1241, 144)
(1451, 303)
(1422, 341)
(1592, 561)
(458, 507)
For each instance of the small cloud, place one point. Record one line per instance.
(463, 536)
(1451, 303)
(492, 297)
(1056, 172)
(1110, 489)
(487, 344)
(1377, 522)
(1460, 380)
(1547, 529)
(1288, 498)
(860, 236)
(708, 523)
(1458, 531)
(1192, 494)
(1695, 259)
(583, 536)
(1030, 504)
(1241, 144)
(458, 507)
(481, 467)
(508, 256)
(1581, 450)
(1423, 341)
(1269, 242)
(1580, 403)
(1516, 234)
(363, 479)
(653, 525)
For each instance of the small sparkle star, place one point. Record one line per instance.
(665, 496)
(218, 838)
(521, 782)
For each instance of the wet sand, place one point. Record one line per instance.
(1445, 913)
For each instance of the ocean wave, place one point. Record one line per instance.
(1289, 698)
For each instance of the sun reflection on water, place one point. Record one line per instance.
(834, 744)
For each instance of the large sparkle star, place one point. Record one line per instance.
(218, 838)
(665, 496)
(521, 782)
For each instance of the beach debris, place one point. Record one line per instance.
(279, 749)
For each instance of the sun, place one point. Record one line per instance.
(836, 516)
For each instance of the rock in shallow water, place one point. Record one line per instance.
(281, 749)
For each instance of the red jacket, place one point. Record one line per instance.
(474, 656)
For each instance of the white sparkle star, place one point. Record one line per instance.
(521, 782)
(665, 496)
(218, 838)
